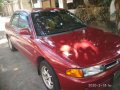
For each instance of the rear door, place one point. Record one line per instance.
(13, 29)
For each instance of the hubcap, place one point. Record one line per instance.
(10, 44)
(47, 78)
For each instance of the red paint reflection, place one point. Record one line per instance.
(84, 48)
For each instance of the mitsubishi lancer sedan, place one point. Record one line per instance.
(69, 54)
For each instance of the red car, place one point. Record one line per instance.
(69, 54)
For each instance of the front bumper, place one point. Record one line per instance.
(97, 82)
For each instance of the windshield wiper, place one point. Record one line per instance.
(76, 26)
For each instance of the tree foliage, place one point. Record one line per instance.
(1, 1)
(99, 2)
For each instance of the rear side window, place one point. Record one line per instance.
(15, 19)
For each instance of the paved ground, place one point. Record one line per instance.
(17, 72)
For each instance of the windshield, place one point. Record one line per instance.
(55, 21)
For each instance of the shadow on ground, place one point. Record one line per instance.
(16, 72)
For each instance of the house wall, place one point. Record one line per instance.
(48, 3)
(26, 4)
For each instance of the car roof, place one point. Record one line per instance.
(22, 11)
(37, 10)
(46, 9)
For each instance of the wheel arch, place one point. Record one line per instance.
(39, 60)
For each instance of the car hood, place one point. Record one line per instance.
(85, 46)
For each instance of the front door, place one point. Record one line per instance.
(25, 41)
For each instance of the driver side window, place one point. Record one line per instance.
(23, 21)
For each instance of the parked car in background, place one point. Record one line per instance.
(69, 54)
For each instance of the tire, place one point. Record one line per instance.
(12, 48)
(49, 76)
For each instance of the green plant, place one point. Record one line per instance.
(1, 1)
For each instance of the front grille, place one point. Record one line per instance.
(112, 64)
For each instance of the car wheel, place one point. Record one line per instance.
(12, 48)
(48, 76)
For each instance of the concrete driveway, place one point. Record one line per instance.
(16, 72)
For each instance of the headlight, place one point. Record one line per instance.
(79, 73)
(93, 70)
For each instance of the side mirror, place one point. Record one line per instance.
(24, 31)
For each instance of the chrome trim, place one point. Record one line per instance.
(112, 64)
